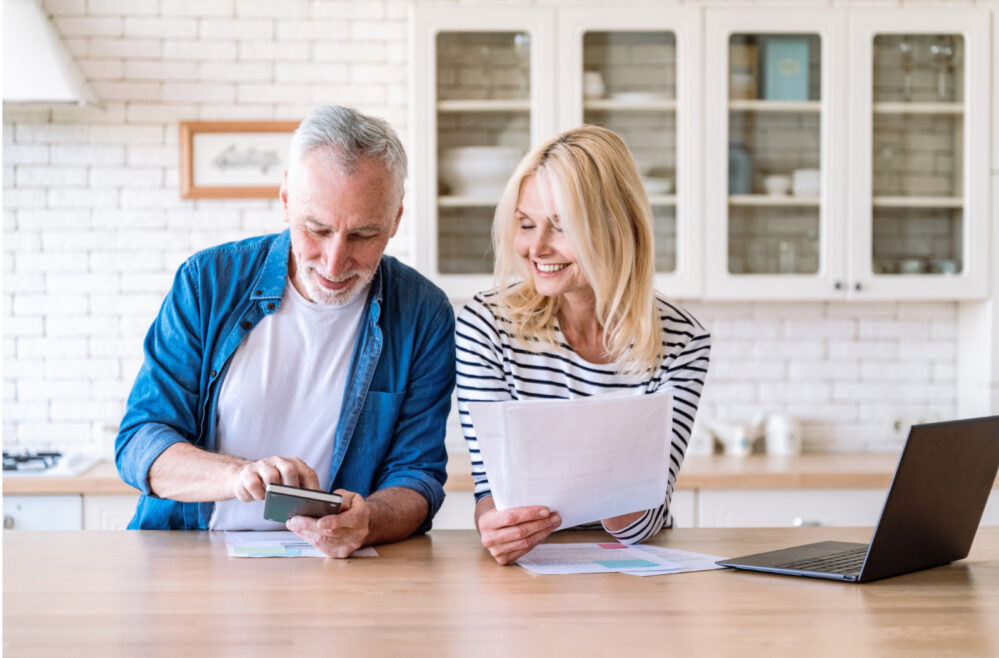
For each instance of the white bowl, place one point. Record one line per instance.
(478, 170)
(655, 185)
(777, 184)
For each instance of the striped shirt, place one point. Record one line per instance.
(494, 366)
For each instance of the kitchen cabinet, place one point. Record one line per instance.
(108, 512)
(770, 508)
(919, 224)
(634, 71)
(489, 85)
(483, 81)
(42, 512)
(859, 176)
(788, 153)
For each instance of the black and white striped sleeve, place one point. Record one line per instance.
(688, 346)
(481, 376)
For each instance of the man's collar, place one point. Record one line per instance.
(270, 283)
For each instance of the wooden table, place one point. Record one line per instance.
(177, 593)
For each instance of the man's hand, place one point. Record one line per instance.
(250, 481)
(337, 535)
(511, 533)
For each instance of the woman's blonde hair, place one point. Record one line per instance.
(604, 212)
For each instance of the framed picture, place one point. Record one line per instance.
(233, 159)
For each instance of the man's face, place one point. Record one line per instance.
(340, 224)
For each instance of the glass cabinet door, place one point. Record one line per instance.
(482, 97)
(918, 215)
(770, 156)
(624, 72)
(629, 86)
(483, 130)
(917, 168)
(774, 153)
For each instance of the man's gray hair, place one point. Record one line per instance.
(351, 136)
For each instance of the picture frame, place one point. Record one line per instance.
(233, 159)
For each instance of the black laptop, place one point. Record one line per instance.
(935, 502)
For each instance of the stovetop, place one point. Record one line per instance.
(46, 463)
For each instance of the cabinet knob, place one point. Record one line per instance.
(838, 285)
(8, 522)
(858, 286)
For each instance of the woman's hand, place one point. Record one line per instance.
(511, 533)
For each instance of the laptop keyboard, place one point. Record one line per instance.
(845, 562)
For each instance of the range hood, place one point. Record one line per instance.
(36, 65)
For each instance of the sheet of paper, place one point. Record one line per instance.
(687, 560)
(552, 559)
(588, 459)
(280, 543)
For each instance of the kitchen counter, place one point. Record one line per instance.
(813, 471)
(178, 593)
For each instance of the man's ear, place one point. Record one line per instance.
(283, 195)
(398, 220)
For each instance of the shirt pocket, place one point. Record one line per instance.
(376, 424)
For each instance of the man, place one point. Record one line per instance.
(304, 358)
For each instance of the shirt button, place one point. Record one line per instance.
(260, 292)
(246, 324)
(214, 372)
(270, 306)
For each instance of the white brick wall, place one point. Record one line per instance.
(94, 227)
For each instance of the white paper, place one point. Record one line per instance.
(587, 459)
(279, 543)
(687, 560)
(611, 557)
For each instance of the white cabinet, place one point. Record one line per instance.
(42, 512)
(483, 81)
(884, 112)
(771, 508)
(108, 512)
(919, 223)
(489, 84)
(684, 508)
(774, 172)
(789, 153)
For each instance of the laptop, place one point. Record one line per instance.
(929, 518)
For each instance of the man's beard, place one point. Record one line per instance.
(318, 294)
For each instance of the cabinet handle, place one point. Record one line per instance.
(8, 522)
(858, 286)
(799, 522)
(838, 285)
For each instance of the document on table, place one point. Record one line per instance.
(280, 543)
(587, 459)
(637, 560)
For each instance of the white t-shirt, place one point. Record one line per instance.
(282, 394)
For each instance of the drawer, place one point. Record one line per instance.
(729, 508)
(43, 512)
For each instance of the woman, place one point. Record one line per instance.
(574, 230)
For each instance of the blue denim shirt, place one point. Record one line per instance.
(395, 406)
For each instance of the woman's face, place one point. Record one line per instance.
(543, 246)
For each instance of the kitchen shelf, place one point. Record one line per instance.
(664, 105)
(775, 106)
(772, 200)
(662, 199)
(918, 202)
(956, 109)
(485, 105)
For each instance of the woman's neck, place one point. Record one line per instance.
(577, 318)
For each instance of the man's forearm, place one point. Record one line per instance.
(396, 513)
(189, 474)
